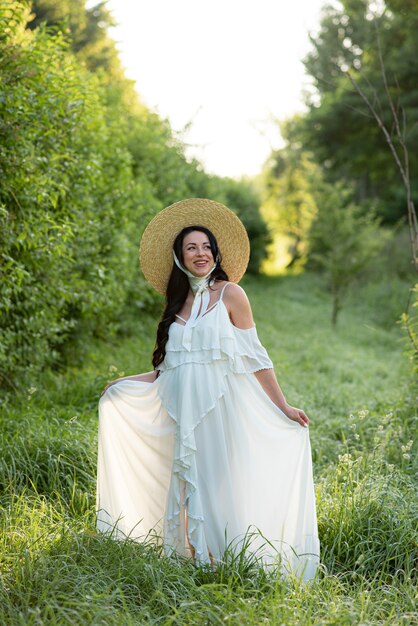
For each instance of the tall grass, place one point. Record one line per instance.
(354, 384)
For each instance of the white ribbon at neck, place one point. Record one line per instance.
(199, 286)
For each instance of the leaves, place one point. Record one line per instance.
(338, 127)
(343, 240)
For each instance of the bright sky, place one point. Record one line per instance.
(228, 66)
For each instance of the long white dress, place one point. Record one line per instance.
(205, 438)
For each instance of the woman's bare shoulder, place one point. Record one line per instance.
(235, 293)
(238, 305)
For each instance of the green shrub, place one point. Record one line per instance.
(66, 194)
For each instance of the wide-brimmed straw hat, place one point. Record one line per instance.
(156, 247)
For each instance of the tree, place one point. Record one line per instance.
(342, 241)
(87, 29)
(338, 128)
(288, 204)
(391, 120)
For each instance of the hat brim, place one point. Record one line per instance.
(155, 251)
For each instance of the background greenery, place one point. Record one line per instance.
(84, 165)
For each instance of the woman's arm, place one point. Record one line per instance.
(147, 377)
(268, 381)
(240, 313)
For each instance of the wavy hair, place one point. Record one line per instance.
(178, 288)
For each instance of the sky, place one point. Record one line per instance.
(222, 71)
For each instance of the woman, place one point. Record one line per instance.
(205, 448)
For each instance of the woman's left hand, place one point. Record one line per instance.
(297, 415)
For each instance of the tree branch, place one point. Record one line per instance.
(403, 167)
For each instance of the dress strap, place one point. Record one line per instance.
(210, 307)
(182, 318)
(222, 291)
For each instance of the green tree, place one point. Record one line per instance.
(338, 128)
(87, 29)
(343, 240)
(288, 203)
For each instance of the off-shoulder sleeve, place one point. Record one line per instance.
(250, 351)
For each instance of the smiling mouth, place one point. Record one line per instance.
(201, 263)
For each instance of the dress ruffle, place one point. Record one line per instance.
(224, 341)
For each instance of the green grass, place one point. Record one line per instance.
(355, 385)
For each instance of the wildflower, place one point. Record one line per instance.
(406, 455)
(387, 418)
(345, 458)
(31, 391)
(356, 436)
(112, 369)
(362, 414)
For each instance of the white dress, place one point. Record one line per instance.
(206, 438)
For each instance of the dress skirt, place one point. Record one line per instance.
(243, 473)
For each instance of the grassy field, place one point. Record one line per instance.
(355, 385)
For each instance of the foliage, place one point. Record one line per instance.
(55, 568)
(66, 187)
(343, 239)
(242, 198)
(409, 322)
(87, 29)
(288, 203)
(338, 127)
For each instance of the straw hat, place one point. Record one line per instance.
(155, 251)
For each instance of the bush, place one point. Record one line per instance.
(66, 193)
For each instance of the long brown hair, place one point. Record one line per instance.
(178, 288)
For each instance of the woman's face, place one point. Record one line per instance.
(197, 254)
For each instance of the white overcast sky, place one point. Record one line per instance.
(228, 66)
